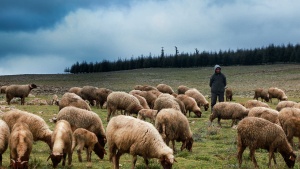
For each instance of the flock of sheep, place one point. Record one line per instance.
(77, 126)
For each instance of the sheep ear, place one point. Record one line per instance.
(13, 161)
(292, 158)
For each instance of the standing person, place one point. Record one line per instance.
(217, 83)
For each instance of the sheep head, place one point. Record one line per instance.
(289, 159)
(19, 164)
(55, 158)
(188, 144)
(99, 149)
(167, 161)
(206, 106)
(198, 113)
(32, 86)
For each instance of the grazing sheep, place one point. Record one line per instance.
(261, 93)
(275, 92)
(182, 89)
(265, 113)
(122, 101)
(2, 89)
(4, 137)
(80, 118)
(20, 145)
(144, 87)
(284, 104)
(71, 99)
(102, 94)
(142, 101)
(190, 104)
(297, 105)
(291, 129)
(55, 100)
(150, 96)
(255, 103)
(61, 141)
(147, 113)
(83, 138)
(76, 90)
(200, 99)
(173, 125)
(228, 94)
(165, 88)
(126, 134)
(37, 125)
(228, 110)
(260, 133)
(21, 91)
(166, 101)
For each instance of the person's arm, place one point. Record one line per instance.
(210, 81)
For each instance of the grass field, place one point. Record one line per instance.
(213, 147)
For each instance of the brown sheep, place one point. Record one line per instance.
(102, 94)
(258, 133)
(284, 104)
(275, 92)
(182, 89)
(255, 103)
(148, 95)
(164, 88)
(261, 93)
(291, 129)
(144, 87)
(21, 91)
(190, 104)
(200, 99)
(142, 101)
(76, 90)
(71, 99)
(2, 89)
(228, 94)
(166, 101)
(265, 113)
(147, 113)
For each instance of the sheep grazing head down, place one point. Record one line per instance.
(167, 161)
(19, 164)
(55, 158)
(290, 159)
(198, 113)
(188, 144)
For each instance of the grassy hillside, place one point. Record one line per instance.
(213, 147)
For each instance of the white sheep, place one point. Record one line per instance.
(21, 91)
(275, 92)
(37, 125)
(126, 134)
(174, 126)
(147, 113)
(255, 133)
(166, 101)
(122, 101)
(80, 118)
(61, 141)
(20, 145)
(284, 104)
(4, 137)
(265, 113)
(71, 99)
(200, 99)
(228, 110)
(83, 138)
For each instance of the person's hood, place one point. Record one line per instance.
(217, 66)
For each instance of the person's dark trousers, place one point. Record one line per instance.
(214, 97)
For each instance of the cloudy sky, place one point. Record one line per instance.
(41, 37)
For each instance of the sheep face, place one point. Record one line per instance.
(55, 159)
(188, 144)
(99, 149)
(206, 106)
(198, 113)
(290, 159)
(167, 162)
(32, 86)
(19, 164)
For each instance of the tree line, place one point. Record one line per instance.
(257, 56)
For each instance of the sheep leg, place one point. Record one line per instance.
(271, 155)
(64, 159)
(79, 153)
(252, 155)
(89, 154)
(219, 122)
(146, 162)
(70, 158)
(117, 159)
(173, 145)
(134, 158)
(22, 100)
(241, 150)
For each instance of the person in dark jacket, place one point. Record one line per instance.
(218, 84)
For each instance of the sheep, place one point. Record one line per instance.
(150, 96)
(190, 104)
(200, 99)
(21, 91)
(4, 137)
(173, 125)
(275, 92)
(165, 88)
(83, 138)
(37, 125)
(144, 87)
(102, 94)
(122, 101)
(182, 89)
(142, 101)
(291, 129)
(20, 145)
(80, 118)
(71, 99)
(297, 105)
(166, 101)
(228, 110)
(61, 141)
(255, 103)
(147, 113)
(284, 104)
(76, 90)
(260, 92)
(265, 113)
(55, 100)
(261, 133)
(228, 94)
(2, 89)
(126, 134)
